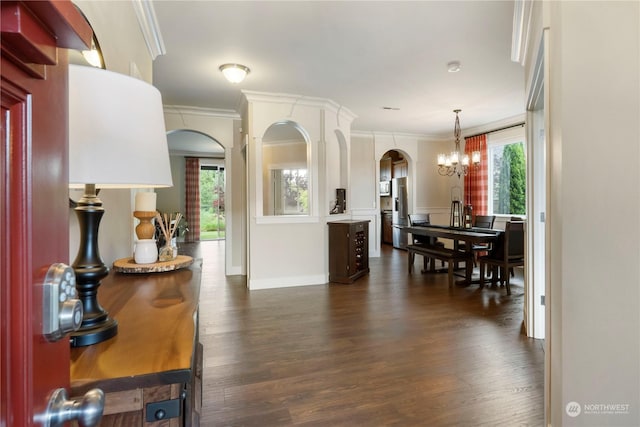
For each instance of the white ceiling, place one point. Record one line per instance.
(362, 55)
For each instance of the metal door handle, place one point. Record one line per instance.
(87, 411)
(61, 310)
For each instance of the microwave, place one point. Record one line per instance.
(385, 188)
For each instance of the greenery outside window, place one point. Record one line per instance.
(286, 178)
(290, 191)
(212, 209)
(507, 178)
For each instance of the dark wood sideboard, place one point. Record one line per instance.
(151, 371)
(348, 250)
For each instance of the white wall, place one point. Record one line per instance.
(336, 155)
(593, 296)
(289, 250)
(428, 192)
(224, 127)
(173, 199)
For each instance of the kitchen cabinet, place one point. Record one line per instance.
(400, 168)
(387, 227)
(385, 169)
(348, 250)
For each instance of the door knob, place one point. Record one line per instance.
(87, 411)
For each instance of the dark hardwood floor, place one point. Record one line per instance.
(388, 350)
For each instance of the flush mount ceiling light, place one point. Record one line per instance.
(453, 66)
(235, 73)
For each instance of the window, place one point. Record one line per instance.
(285, 171)
(212, 214)
(291, 191)
(507, 174)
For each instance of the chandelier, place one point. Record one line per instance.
(457, 163)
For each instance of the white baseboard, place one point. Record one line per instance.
(236, 271)
(286, 282)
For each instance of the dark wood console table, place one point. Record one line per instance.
(152, 368)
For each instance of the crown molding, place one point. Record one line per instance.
(490, 127)
(201, 111)
(149, 26)
(368, 134)
(308, 101)
(522, 12)
(199, 154)
(486, 128)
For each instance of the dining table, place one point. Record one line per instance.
(471, 236)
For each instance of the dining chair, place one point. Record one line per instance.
(480, 221)
(507, 253)
(420, 220)
(515, 219)
(484, 221)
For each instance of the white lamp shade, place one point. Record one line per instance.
(117, 136)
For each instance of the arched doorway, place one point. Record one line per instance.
(394, 198)
(207, 210)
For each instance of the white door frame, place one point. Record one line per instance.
(536, 201)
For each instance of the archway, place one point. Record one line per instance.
(395, 197)
(205, 212)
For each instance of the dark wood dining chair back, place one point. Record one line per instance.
(419, 219)
(481, 221)
(484, 221)
(514, 240)
(506, 254)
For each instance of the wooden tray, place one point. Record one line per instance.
(128, 265)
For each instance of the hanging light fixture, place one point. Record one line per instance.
(457, 162)
(94, 55)
(235, 73)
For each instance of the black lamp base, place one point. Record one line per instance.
(94, 335)
(96, 325)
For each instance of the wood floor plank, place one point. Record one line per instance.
(391, 349)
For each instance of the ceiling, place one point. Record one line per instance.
(362, 55)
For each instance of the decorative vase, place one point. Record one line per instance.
(145, 251)
(168, 252)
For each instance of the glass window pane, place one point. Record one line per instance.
(507, 179)
(293, 197)
(212, 210)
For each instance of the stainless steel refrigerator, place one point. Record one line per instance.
(400, 217)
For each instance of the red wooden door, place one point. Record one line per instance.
(34, 213)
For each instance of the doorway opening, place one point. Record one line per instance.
(212, 207)
(394, 198)
(199, 178)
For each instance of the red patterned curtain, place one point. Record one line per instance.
(192, 202)
(476, 183)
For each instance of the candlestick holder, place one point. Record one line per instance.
(145, 230)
